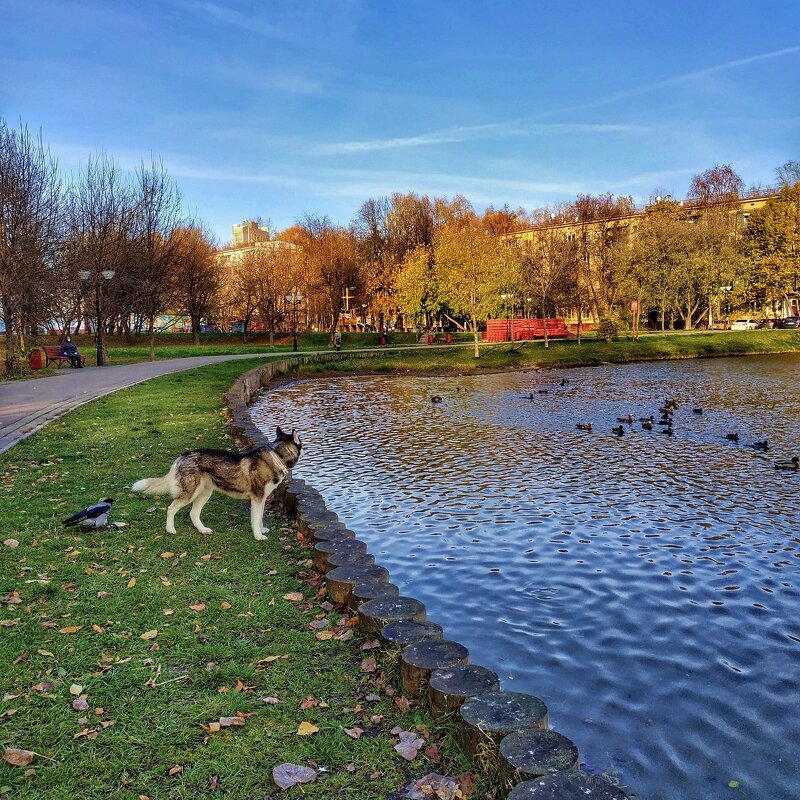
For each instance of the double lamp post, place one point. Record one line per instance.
(107, 274)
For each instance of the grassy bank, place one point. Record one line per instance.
(562, 353)
(121, 650)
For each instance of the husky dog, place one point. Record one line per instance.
(253, 474)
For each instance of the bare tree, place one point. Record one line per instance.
(30, 206)
(99, 236)
(720, 184)
(275, 275)
(157, 214)
(548, 272)
(788, 174)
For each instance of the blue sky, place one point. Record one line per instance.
(282, 109)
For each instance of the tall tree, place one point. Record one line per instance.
(471, 269)
(771, 245)
(788, 173)
(157, 214)
(549, 268)
(30, 234)
(197, 282)
(720, 184)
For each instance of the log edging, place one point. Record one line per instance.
(303, 502)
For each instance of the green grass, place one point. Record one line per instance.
(118, 584)
(568, 353)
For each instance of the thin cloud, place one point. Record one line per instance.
(236, 19)
(677, 80)
(471, 132)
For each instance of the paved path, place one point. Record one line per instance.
(28, 405)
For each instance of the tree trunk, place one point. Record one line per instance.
(475, 336)
(195, 329)
(544, 321)
(152, 339)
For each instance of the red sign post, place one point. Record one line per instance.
(634, 319)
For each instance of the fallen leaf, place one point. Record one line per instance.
(432, 751)
(80, 703)
(149, 634)
(45, 653)
(309, 702)
(369, 664)
(270, 700)
(8, 623)
(168, 612)
(371, 644)
(168, 555)
(325, 636)
(354, 733)
(131, 583)
(307, 729)
(288, 775)
(175, 770)
(76, 689)
(402, 704)
(18, 757)
(11, 543)
(70, 629)
(225, 605)
(293, 597)
(436, 786)
(409, 745)
(198, 607)
(230, 722)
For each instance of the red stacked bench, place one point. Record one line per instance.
(499, 330)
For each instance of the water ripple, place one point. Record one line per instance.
(645, 586)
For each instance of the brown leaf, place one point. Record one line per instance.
(198, 607)
(80, 703)
(131, 583)
(70, 629)
(402, 704)
(231, 722)
(369, 664)
(288, 775)
(18, 757)
(293, 597)
(354, 733)
(309, 702)
(225, 605)
(432, 751)
(175, 770)
(149, 634)
(167, 555)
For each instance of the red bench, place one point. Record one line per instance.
(52, 354)
(500, 330)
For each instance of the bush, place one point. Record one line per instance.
(608, 329)
(16, 364)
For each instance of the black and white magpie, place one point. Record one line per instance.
(95, 516)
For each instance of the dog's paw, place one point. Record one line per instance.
(171, 530)
(260, 537)
(205, 531)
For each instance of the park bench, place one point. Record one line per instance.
(52, 354)
(449, 338)
(499, 330)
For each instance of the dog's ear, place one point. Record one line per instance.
(279, 433)
(296, 438)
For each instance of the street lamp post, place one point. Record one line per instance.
(364, 315)
(107, 274)
(294, 298)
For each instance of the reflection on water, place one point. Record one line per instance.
(645, 586)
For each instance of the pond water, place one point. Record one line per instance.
(646, 587)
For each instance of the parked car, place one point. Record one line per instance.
(791, 322)
(768, 323)
(745, 324)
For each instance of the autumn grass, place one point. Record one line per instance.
(110, 614)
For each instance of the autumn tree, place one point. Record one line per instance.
(771, 246)
(30, 235)
(330, 259)
(418, 286)
(471, 268)
(720, 184)
(197, 281)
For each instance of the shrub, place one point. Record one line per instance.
(16, 364)
(608, 329)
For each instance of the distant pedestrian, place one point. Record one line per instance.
(337, 339)
(70, 350)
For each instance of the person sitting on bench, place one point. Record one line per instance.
(70, 350)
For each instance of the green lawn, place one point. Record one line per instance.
(156, 636)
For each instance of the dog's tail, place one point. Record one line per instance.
(162, 485)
